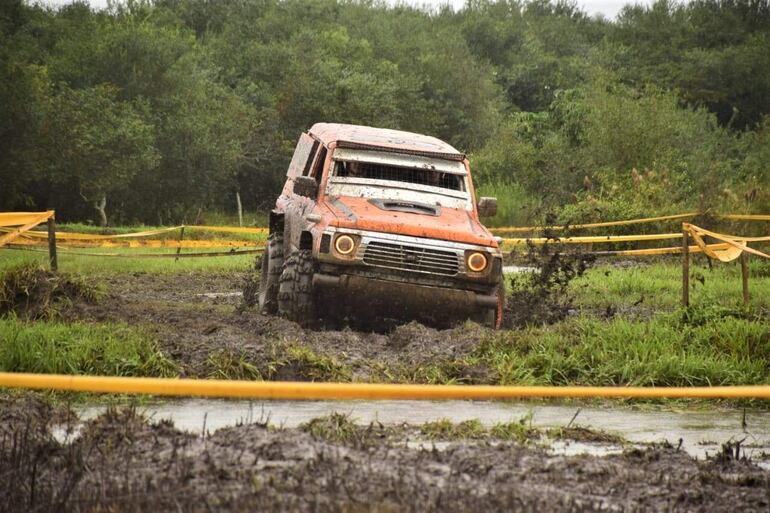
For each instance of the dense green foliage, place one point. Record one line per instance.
(153, 111)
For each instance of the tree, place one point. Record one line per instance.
(98, 142)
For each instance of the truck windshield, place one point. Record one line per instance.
(418, 176)
(382, 175)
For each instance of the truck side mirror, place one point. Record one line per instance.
(487, 207)
(306, 186)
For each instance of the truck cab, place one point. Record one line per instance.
(380, 223)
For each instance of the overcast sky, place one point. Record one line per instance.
(608, 8)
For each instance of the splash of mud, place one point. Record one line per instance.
(541, 296)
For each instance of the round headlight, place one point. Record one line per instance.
(477, 262)
(344, 244)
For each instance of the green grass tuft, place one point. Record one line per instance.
(226, 364)
(336, 427)
(445, 429)
(79, 348)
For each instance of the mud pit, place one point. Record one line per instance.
(122, 462)
(197, 320)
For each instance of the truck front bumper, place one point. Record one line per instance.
(386, 298)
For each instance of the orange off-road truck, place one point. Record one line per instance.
(381, 224)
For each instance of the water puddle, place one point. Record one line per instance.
(512, 269)
(701, 432)
(217, 295)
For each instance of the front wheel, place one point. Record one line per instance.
(493, 318)
(295, 294)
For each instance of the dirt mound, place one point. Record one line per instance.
(124, 463)
(31, 292)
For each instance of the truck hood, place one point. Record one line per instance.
(451, 224)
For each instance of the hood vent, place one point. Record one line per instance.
(410, 207)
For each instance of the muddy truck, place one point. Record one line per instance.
(380, 224)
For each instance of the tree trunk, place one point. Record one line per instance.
(240, 208)
(100, 207)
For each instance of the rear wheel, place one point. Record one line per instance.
(272, 265)
(295, 295)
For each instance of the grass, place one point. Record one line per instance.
(445, 429)
(32, 292)
(668, 350)
(102, 266)
(226, 364)
(658, 286)
(341, 428)
(335, 427)
(516, 430)
(78, 348)
(515, 207)
(298, 361)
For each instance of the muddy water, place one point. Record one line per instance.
(701, 431)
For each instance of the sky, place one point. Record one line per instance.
(608, 8)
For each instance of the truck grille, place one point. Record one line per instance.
(410, 258)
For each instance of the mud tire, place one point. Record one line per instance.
(295, 296)
(269, 282)
(494, 318)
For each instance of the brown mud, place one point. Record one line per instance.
(199, 321)
(121, 462)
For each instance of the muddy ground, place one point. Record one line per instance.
(199, 322)
(121, 462)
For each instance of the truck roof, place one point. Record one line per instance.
(384, 139)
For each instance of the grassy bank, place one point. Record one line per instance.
(671, 350)
(79, 348)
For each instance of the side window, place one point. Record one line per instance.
(318, 167)
(309, 161)
(302, 159)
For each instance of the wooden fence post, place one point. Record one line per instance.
(745, 277)
(52, 259)
(685, 267)
(179, 247)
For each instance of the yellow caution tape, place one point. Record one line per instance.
(737, 244)
(657, 251)
(746, 217)
(141, 243)
(22, 218)
(508, 229)
(231, 229)
(150, 255)
(96, 236)
(593, 239)
(27, 220)
(145, 233)
(626, 222)
(312, 391)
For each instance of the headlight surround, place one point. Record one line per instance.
(344, 244)
(476, 261)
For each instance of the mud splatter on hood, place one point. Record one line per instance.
(451, 224)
